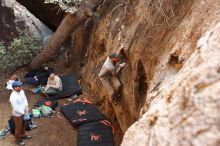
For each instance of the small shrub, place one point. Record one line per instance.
(20, 51)
(3, 53)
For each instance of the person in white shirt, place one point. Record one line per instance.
(19, 105)
(108, 75)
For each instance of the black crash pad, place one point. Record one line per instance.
(81, 112)
(70, 86)
(95, 134)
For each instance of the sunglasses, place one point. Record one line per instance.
(116, 59)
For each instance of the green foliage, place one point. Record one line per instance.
(69, 6)
(20, 51)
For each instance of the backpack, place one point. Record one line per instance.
(31, 81)
(27, 123)
(45, 111)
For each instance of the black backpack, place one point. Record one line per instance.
(11, 123)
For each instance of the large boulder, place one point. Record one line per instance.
(13, 16)
(185, 109)
(50, 14)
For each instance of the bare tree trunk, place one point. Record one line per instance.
(67, 26)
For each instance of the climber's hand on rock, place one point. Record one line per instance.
(122, 65)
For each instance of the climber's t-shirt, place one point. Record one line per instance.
(108, 69)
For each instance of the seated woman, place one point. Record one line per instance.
(54, 85)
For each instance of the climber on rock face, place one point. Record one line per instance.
(108, 75)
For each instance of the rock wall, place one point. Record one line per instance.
(185, 108)
(171, 81)
(13, 16)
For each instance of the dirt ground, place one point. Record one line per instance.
(53, 131)
(50, 131)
